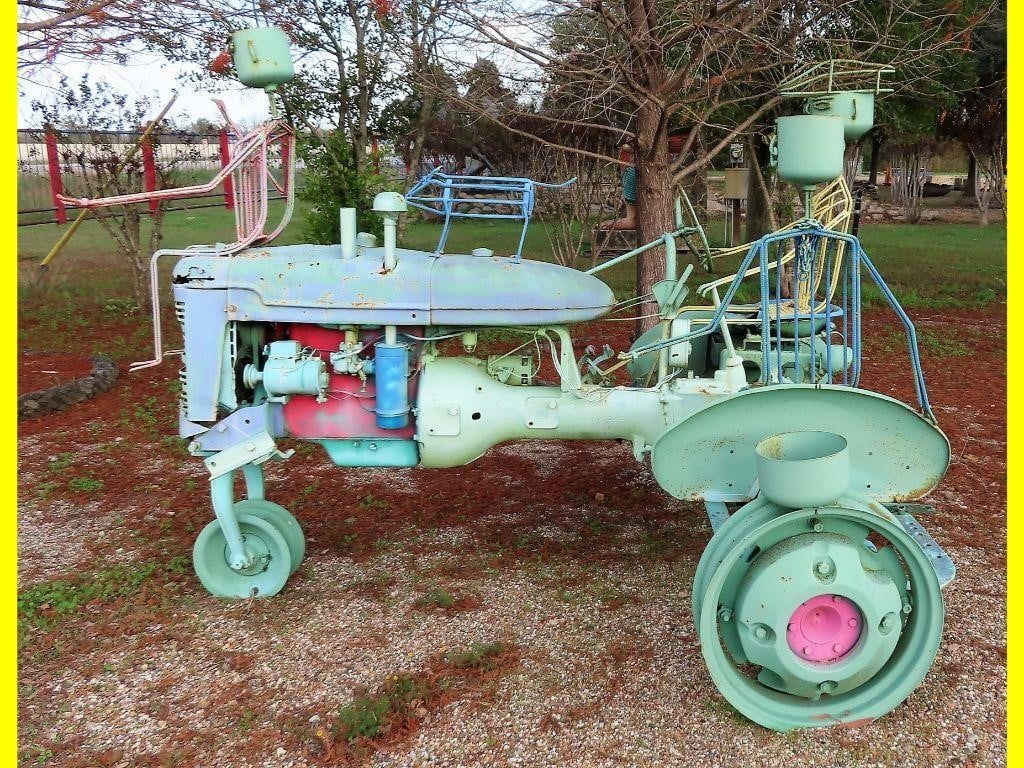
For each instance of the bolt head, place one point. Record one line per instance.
(760, 633)
(827, 686)
(824, 567)
(907, 608)
(725, 614)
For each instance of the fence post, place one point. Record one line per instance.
(149, 171)
(53, 165)
(225, 158)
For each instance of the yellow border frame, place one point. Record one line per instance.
(1014, 368)
(9, 424)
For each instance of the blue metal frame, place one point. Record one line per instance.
(806, 237)
(519, 193)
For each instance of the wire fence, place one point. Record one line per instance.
(70, 162)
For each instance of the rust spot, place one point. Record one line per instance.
(771, 447)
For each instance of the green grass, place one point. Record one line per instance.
(477, 656)
(929, 265)
(85, 484)
(44, 606)
(436, 598)
(932, 343)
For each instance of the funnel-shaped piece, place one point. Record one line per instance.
(262, 57)
(810, 149)
(856, 108)
(803, 469)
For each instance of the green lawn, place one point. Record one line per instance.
(927, 265)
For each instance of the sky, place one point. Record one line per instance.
(148, 76)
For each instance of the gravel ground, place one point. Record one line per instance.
(600, 682)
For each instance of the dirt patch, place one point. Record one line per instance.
(42, 370)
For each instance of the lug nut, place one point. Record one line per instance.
(823, 567)
(827, 686)
(760, 632)
(888, 624)
(725, 614)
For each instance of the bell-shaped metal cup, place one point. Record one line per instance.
(810, 149)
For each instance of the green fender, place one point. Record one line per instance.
(895, 453)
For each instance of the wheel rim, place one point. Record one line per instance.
(283, 520)
(742, 622)
(739, 524)
(267, 549)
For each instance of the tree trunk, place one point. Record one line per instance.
(970, 184)
(851, 162)
(760, 218)
(876, 157)
(654, 207)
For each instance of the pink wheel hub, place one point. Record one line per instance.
(824, 629)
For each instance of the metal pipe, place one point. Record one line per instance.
(347, 218)
(390, 242)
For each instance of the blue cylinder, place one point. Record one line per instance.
(391, 363)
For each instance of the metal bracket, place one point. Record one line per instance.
(944, 567)
(592, 361)
(718, 513)
(256, 450)
(910, 509)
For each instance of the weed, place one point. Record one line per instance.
(43, 606)
(85, 484)
(145, 415)
(309, 490)
(126, 307)
(363, 718)
(524, 541)
(477, 656)
(246, 721)
(367, 716)
(931, 342)
(60, 462)
(722, 707)
(436, 598)
(369, 502)
(45, 489)
(191, 484)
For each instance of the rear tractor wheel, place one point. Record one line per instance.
(806, 620)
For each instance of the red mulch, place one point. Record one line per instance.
(42, 370)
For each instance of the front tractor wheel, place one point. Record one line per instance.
(806, 620)
(269, 560)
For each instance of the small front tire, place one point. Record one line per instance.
(268, 552)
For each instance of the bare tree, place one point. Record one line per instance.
(567, 215)
(96, 127)
(638, 69)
